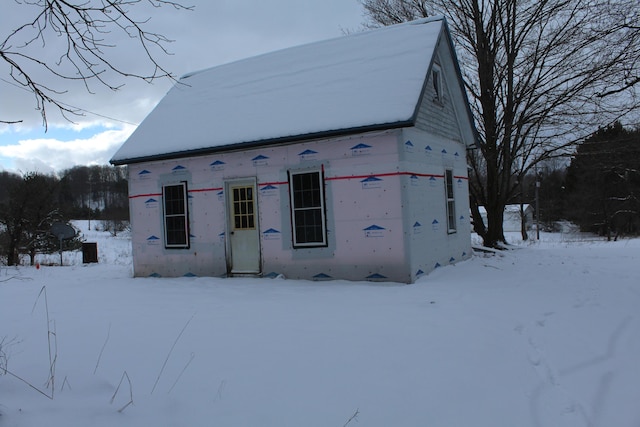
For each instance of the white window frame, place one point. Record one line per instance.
(166, 217)
(299, 241)
(449, 193)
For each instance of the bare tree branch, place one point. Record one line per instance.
(82, 34)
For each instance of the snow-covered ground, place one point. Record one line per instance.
(545, 334)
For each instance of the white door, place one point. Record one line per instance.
(243, 247)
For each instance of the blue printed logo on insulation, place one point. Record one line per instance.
(153, 240)
(371, 182)
(435, 225)
(414, 180)
(428, 151)
(374, 231)
(360, 150)
(220, 195)
(269, 190)
(433, 181)
(322, 276)
(260, 160)
(218, 165)
(308, 155)
(151, 203)
(144, 174)
(179, 169)
(271, 234)
(408, 147)
(417, 228)
(376, 276)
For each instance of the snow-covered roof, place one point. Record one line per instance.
(361, 81)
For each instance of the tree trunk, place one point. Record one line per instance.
(12, 258)
(523, 224)
(495, 231)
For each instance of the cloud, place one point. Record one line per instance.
(215, 33)
(51, 154)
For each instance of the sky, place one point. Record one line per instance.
(215, 32)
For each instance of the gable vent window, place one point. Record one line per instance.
(306, 190)
(436, 80)
(176, 218)
(451, 203)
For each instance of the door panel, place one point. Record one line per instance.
(244, 237)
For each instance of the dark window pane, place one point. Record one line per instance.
(306, 194)
(175, 215)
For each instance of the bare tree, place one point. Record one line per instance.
(389, 12)
(541, 76)
(81, 37)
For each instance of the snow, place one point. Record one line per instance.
(359, 80)
(544, 334)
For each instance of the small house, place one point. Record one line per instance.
(340, 159)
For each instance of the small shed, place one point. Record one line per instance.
(340, 159)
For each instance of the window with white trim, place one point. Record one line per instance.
(176, 216)
(436, 81)
(451, 203)
(306, 190)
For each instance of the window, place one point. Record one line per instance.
(176, 219)
(243, 217)
(451, 203)
(307, 209)
(436, 80)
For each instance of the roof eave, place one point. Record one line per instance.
(264, 142)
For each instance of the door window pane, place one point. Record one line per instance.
(243, 208)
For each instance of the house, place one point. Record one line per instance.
(341, 159)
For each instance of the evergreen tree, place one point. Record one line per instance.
(603, 182)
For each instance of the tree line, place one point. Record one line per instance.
(596, 188)
(32, 202)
